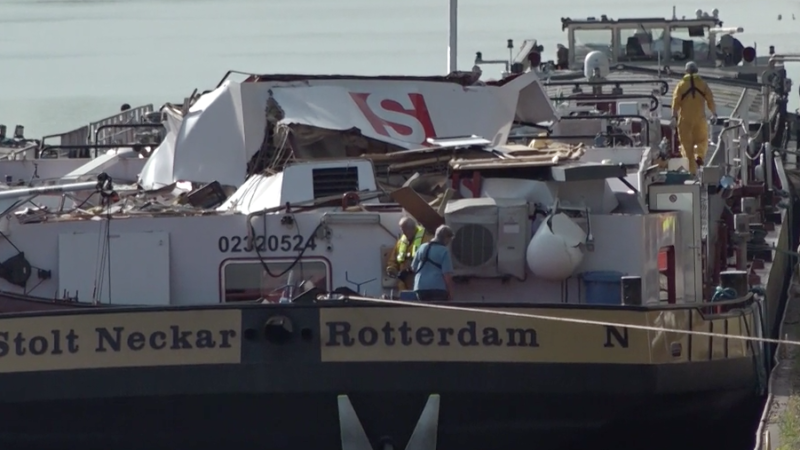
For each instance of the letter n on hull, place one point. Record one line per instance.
(616, 337)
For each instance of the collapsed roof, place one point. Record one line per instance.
(242, 128)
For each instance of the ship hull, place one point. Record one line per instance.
(497, 406)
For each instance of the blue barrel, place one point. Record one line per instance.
(603, 287)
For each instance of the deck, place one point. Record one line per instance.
(727, 89)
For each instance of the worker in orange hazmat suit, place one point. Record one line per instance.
(691, 96)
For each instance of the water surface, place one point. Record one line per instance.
(64, 63)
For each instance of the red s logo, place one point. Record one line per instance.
(407, 119)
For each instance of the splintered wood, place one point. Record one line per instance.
(521, 156)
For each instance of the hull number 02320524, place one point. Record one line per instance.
(274, 243)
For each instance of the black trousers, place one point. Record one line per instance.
(432, 295)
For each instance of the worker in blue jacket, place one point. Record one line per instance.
(433, 267)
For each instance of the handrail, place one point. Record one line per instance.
(569, 137)
(784, 58)
(663, 83)
(724, 133)
(645, 122)
(654, 102)
(723, 80)
(699, 307)
(76, 136)
(742, 102)
(90, 146)
(133, 115)
(16, 152)
(129, 125)
(85, 133)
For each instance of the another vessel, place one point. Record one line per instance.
(636, 54)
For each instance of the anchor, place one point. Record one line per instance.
(423, 437)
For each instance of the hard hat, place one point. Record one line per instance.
(691, 67)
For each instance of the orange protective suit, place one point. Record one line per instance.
(691, 96)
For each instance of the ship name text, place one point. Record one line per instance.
(344, 334)
(114, 339)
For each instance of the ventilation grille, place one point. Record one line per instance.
(334, 181)
(473, 245)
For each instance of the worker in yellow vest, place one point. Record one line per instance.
(399, 263)
(689, 100)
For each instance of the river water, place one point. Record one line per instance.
(64, 63)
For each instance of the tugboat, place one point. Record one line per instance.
(601, 299)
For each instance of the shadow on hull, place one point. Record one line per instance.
(467, 421)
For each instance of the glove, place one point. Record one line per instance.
(391, 271)
(673, 123)
(713, 118)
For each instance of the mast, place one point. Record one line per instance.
(452, 48)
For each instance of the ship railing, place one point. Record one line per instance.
(717, 309)
(730, 134)
(746, 99)
(731, 152)
(109, 135)
(77, 136)
(21, 153)
(86, 134)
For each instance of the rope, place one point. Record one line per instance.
(569, 320)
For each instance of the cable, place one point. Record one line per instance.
(293, 263)
(105, 188)
(570, 320)
(10, 242)
(252, 232)
(108, 244)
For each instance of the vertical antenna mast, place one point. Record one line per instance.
(452, 48)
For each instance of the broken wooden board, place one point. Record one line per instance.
(418, 208)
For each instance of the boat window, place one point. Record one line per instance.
(666, 274)
(639, 44)
(590, 40)
(247, 280)
(689, 44)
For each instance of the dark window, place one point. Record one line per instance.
(334, 181)
(248, 281)
(666, 271)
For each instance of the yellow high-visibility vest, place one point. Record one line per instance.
(403, 252)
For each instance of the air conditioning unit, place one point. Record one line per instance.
(491, 236)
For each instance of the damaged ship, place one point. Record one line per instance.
(253, 308)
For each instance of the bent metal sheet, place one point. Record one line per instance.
(95, 341)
